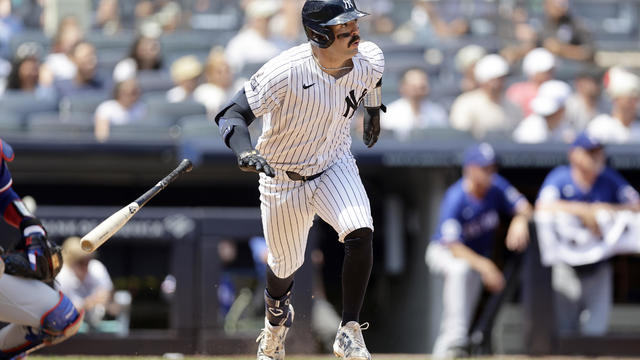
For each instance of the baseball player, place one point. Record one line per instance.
(583, 294)
(462, 245)
(307, 97)
(38, 315)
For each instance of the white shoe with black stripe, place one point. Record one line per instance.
(349, 344)
(271, 339)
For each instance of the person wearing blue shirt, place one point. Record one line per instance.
(583, 294)
(462, 244)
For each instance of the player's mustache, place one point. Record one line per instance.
(354, 39)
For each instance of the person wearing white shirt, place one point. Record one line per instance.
(620, 126)
(486, 109)
(413, 110)
(185, 73)
(219, 86)
(85, 280)
(125, 108)
(547, 122)
(255, 44)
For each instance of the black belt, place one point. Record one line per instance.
(297, 177)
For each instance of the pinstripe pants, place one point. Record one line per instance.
(288, 208)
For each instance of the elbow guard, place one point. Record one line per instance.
(236, 113)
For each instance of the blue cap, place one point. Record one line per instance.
(480, 154)
(586, 141)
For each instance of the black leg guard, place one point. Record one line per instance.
(277, 310)
(356, 269)
(277, 298)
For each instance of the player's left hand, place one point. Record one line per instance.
(518, 234)
(371, 126)
(252, 161)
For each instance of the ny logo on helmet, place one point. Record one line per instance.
(348, 4)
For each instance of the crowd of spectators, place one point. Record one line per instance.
(476, 67)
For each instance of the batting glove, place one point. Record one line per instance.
(371, 126)
(252, 161)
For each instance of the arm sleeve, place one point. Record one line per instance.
(509, 195)
(267, 88)
(550, 189)
(625, 193)
(375, 57)
(449, 228)
(7, 194)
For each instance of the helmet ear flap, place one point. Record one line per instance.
(320, 36)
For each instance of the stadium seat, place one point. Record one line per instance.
(197, 126)
(121, 41)
(154, 81)
(11, 123)
(83, 103)
(159, 107)
(56, 124)
(440, 135)
(22, 103)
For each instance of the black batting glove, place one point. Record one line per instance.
(371, 126)
(252, 161)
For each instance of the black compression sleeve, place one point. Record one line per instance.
(239, 140)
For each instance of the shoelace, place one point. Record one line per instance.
(271, 342)
(358, 339)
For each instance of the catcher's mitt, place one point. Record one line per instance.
(36, 257)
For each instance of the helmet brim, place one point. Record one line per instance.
(346, 17)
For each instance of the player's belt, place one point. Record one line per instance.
(297, 177)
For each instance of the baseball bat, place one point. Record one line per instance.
(105, 230)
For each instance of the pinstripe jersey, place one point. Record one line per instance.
(306, 112)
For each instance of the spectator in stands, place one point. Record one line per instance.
(107, 16)
(586, 103)
(86, 79)
(565, 35)
(9, 26)
(254, 44)
(620, 126)
(465, 60)
(547, 122)
(460, 249)
(26, 74)
(144, 55)
(59, 61)
(86, 281)
(124, 108)
(583, 294)
(429, 23)
(538, 67)
(517, 35)
(185, 73)
(413, 111)
(485, 109)
(219, 86)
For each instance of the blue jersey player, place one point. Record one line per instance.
(462, 244)
(583, 294)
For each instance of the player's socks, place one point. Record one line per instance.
(356, 268)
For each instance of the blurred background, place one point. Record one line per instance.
(101, 98)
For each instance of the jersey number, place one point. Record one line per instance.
(352, 102)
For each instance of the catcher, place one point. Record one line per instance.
(38, 315)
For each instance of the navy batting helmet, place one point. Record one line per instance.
(317, 15)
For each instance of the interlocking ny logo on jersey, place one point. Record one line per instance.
(352, 102)
(347, 4)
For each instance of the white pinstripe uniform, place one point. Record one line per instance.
(306, 129)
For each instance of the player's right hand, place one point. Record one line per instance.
(492, 277)
(252, 161)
